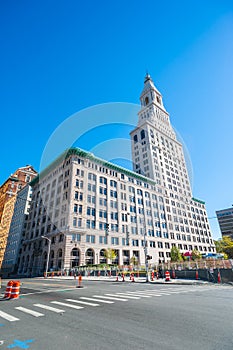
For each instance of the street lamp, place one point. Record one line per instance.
(146, 253)
(48, 253)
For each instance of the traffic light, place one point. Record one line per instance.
(148, 257)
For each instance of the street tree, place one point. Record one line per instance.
(196, 254)
(110, 254)
(225, 246)
(175, 254)
(134, 260)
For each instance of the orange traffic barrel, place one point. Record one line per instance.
(15, 290)
(167, 276)
(8, 289)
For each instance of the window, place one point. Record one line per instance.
(142, 134)
(90, 238)
(115, 241)
(113, 194)
(113, 183)
(102, 239)
(78, 208)
(103, 180)
(76, 237)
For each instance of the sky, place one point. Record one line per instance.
(59, 58)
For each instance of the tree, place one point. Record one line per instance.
(134, 260)
(175, 254)
(225, 246)
(196, 254)
(110, 254)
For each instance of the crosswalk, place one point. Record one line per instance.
(93, 301)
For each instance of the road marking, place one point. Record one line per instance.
(138, 295)
(82, 302)
(50, 308)
(158, 293)
(28, 311)
(20, 344)
(150, 294)
(8, 317)
(99, 300)
(108, 296)
(48, 291)
(68, 305)
(129, 296)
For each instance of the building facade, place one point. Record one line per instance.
(83, 205)
(225, 220)
(16, 231)
(8, 192)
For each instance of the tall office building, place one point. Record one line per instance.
(156, 153)
(225, 220)
(16, 231)
(82, 205)
(8, 192)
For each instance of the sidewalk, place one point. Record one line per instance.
(136, 279)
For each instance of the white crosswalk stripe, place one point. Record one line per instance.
(136, 294)
(109, 297)
(50, 308)
(8, 317)
(149, 294)
(129, 296)
(82, 302)
(29, 311)
(98, 300)
(67, 305)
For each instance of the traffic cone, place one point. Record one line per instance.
(219, 277)
(123, 277)
(132, 278)
(79, 281)
(196, 274)
(152, 276)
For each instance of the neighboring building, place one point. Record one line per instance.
(85, 205)
(17, 230)
(225, 220)
(8, 192)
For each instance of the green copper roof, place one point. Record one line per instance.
(87, 155)
(198, 200)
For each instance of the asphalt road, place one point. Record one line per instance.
(97, 316)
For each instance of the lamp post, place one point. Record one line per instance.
(48, 253)
(146, 252)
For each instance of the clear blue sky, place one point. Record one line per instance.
(58, 57)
